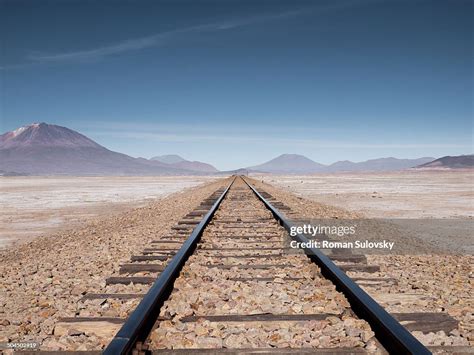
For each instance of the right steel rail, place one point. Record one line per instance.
(392, 335)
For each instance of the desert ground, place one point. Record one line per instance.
(33, 206)
(434, 207)
(39, 290)
(406, 194)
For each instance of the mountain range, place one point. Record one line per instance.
(46, 149)
(298, 164)
(180, 163)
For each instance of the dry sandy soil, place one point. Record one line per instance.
(32, 206)
(434, 207)
(41, 286)
(407, 194)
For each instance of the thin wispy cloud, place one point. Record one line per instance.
(157, 39)
(221, 127)
(165, 37)
(117, 48)
(188, 137)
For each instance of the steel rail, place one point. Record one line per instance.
(392, 335)
(141, 321)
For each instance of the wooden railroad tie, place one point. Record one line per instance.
(132, 268)
(116, 280)
(423, 322)
(120, 296)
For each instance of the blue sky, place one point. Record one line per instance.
(235, 83)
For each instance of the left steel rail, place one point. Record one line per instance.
(141, 321)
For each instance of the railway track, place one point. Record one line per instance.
(225, 282)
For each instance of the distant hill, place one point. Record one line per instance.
(299, 164)
(451, 162)
(382, 164)
(45, 135)
(289, 164)
(169, 159)
(45, 149)
(178, 162)
(241, 171)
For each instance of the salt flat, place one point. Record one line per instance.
(406, 194)
(32, 206)
(433, 207)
